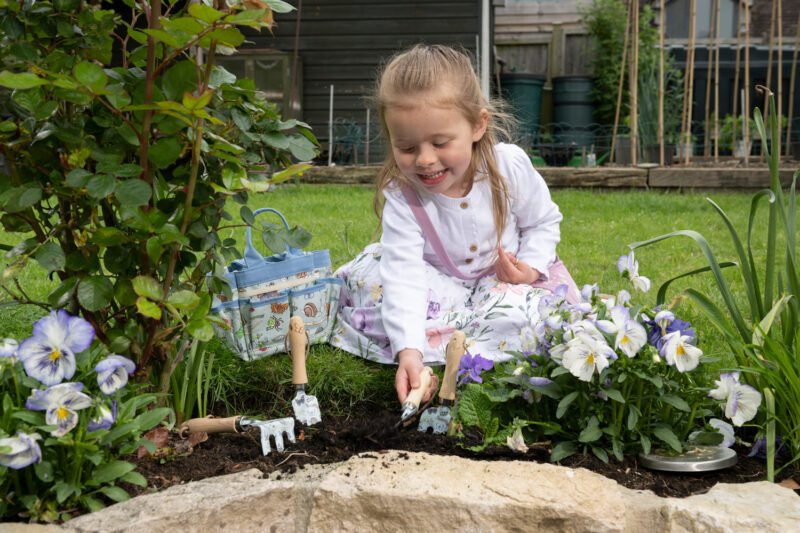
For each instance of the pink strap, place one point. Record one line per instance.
(433, 237)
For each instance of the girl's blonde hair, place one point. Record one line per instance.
(424, 68)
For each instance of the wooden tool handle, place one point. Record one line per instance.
(209, 425)
(298, 343)
(455, 351)
(415, 396)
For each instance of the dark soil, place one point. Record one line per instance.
(371, 429)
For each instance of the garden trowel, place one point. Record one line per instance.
(237, 424)
(438, 418)
(306, 407)
(411, 405)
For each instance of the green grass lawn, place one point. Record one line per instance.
(597, 226)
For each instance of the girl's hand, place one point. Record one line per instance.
(509, 269)
(408, 369)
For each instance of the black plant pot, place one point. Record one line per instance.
(557, 155)
(652, 153)
(796, 151)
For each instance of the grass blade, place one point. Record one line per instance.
(662, 290)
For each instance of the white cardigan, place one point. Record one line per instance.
(463, 224)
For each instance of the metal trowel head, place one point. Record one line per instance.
(306, 408)
(272, 428)
(435, 418)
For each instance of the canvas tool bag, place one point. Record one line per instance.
(268, 291)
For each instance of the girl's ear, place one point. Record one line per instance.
(480, 127)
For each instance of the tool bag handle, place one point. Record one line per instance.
(251, 256)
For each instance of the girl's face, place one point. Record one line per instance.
(432, 145)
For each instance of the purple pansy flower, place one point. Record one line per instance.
(105, 418)
(60, 401)
(8, 348)
(657, 334)
(112, 373)
(24, 450)
(760, 448)
(49, 355)
(471, 367)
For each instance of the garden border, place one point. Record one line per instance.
(600, 177)
(395, 491)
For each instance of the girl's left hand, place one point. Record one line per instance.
(509, 269)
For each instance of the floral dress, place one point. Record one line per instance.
(491, 313)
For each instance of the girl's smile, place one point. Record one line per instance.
(432, 144)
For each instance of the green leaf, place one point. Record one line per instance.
(276, 140)
(20, 198)
(115, 493)
(205, 13)
(95, 292)
(148, 287)
(30, 99)
(123, 291)
(164, 152)
(302, 148)
(44, 471)
(78, 178)
(202, 330)
(134, 478)
(165, 37)
(591, 432)
(614, 394)
(133, 192)
(600, 453)
(30, 417)
(91, 503)
(154, 249)
(151, 418)
(666, 434)
(148, 308)
(100, 186)
(227, 36)
(179, 78)
(633, 417)
(565, 403)
(118, 431)
(279, 6)
(106, 236)
(676, 402)
(61, 295)
(298, 237)
(112, 471)
(128, 134)
(50, 256)
(562, 450)
(90, 75)
(709, 438)
(64, 491)
(22, 80)
(184, 299)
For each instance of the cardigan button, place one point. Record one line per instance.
(468, 261)
(464, 205)
(473, 248)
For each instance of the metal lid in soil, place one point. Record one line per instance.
(696, 459)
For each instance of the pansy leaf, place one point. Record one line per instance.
(565, 403)
(676, 401)
(134, 478)
(615, 395)
(44, 471)
(149, 419)
(666, 434)
(633, 417)
(95, 292)
(562, 450)
(112, 471)
(600, 453)
(91, 503)
(591, 432)
(115, 493)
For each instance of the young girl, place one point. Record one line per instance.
(402, 298)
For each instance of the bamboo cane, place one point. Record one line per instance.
(779, 111)
(735, 112)
(692, 25)
(621, 79)
(716, 89)
(662, 30)
(709, 65)
(746, 103)
(634, 84)
(792, 78)
(769, 70)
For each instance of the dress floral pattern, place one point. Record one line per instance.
(491, 313)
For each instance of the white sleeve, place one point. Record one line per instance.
(402, 269)
(538, 217)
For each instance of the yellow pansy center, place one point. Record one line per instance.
(590, 359)
(624, 340)
(62, 413)
(54, 355)
(680, 350)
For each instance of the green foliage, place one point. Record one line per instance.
(124, 144)
(761, 332)
(605, 22)
(79, 469)
(591, 382)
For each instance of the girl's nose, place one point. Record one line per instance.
(426, 157)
